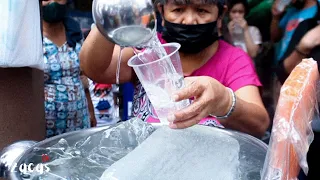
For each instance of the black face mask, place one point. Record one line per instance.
(54, 12)
(299, 4)
(192, 38)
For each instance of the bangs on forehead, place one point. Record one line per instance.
(183, 2)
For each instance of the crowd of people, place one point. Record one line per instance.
(224, 55)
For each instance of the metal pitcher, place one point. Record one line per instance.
(125, 22)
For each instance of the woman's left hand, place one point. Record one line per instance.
(210, 97)
(242, 23)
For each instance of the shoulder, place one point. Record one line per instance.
(255, 34)
(72, 24)
(232, 58)
(235, 58)
(253, 29)
(231, 53)
(239, 68)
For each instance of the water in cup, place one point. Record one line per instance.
(161, 98)
(160, 73)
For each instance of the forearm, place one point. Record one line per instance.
(91, 109)
(249, 118)
(292, 61)
(251, 47)
(96, 55)
(275, 30)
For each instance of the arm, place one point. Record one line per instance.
(85, 83)
(275, 30)
(251, 47)
(212, 97)
(307, 43)
(250, 115)
(292, 61)
(99, 57)
(93, 120)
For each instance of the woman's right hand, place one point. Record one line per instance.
(231, 26)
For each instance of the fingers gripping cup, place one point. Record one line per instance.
(160, 73)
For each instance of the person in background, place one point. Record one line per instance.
(66, 106)
(284, 23)
(103, 99)
(309, 46)
(219, 76)
(248, 38)
(260, 16)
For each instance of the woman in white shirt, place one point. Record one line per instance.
(248, 38)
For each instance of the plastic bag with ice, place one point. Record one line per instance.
(188, 154)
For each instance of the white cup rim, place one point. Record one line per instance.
(148, 63)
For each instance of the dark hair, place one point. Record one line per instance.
(243, 2)
(219, 3)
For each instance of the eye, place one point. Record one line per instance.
(200, 10)
(178, 10)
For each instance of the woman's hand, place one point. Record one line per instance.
(210, 97)
(242, 23)
(276, 13)
(231, 26)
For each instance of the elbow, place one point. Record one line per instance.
(261, 126)
(253, 50)
(253, 54)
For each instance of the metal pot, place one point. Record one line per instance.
(11, 154)
(252, 150)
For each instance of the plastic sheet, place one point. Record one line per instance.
(292, 133)
(20, 34)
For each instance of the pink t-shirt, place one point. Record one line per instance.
(231, 66)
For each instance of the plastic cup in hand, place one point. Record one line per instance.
(237, 29)
(161, 76)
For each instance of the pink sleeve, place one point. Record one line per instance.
(241, 71)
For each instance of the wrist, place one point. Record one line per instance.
(228, 103)
(228, 107)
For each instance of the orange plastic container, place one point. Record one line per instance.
(292, 133)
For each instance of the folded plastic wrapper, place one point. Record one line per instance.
(20, 34)
(292, 132)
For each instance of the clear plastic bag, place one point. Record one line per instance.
(20, 34)
(292, 132)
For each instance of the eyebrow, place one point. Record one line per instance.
(191, 2)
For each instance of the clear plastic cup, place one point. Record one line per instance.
(161, 76)
(237, 29)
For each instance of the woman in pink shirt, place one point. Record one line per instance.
(221, 79)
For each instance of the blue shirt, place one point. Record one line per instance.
(289, 23)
